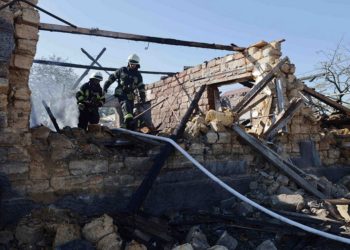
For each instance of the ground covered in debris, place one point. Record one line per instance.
(230, 225)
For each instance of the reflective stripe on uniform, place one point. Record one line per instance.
(128, 116)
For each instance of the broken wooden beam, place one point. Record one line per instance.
(283, 118)
(80, 66)
(75, 85)
(142, 191)
(258, 87)
(133, 37)
(256, 102)
(326, 100)
(277, 161)
(52, 117)
(48, 13)
(93, 59)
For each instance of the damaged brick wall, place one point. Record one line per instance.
(233, 68)
(251, 65)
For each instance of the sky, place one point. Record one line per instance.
(309, 26)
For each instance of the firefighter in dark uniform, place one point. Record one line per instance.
(90, 97)
(129, 80)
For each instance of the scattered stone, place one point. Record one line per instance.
(77, 245)
(290, 202)
(323, 213)
(197, 238)
(243, 209)
(253, 185)
(110, 242)
(273, 188)
(284, 180)
(134, 245)
(98, 228)
(186, 246)
(217, 247)
(227, 241)
(284, 190)
(66, 233)
(29, 231)
(267, 245)
(60, 146)
(6, 237)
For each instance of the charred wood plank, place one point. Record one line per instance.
(80, 66)
(283, 118)
(156, 229)
(52, 117)
(93, 59)
(49, 13)
(277, 161)
(256, 102)
(258, 87)
(133, 37)
(87, 70)
(326, 100)
(141, 193)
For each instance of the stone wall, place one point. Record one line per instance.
(19, 35)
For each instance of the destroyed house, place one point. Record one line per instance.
(281, 155)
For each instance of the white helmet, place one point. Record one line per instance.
(134, 59)
(97, 75)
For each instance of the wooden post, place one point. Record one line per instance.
(141, 193)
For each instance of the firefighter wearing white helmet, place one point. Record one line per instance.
(129, 81)
(89, 98)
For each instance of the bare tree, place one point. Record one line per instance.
(336, 68)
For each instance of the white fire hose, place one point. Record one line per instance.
(237, 194)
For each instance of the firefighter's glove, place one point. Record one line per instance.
(81, 106)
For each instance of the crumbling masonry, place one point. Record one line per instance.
(44, 166)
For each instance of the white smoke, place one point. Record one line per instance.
(53, 85)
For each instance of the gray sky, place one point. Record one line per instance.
(307, 26)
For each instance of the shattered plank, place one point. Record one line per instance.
(52, 117)
(263, 120)
(256, 102)
(326, 100)
(75, 85)
(133, 37)
(80, 66)
(258, 87)
(277, 161)
(142, 191)
(283, 118)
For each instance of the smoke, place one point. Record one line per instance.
(53, 85)
(61, 101)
